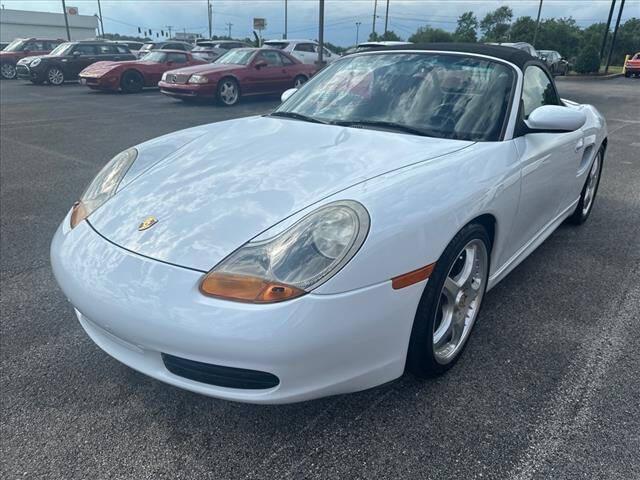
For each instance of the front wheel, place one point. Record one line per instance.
(131, 82)
(450, 303)
(228, 92)
(588, 194)
(8, 71)
(55, 76)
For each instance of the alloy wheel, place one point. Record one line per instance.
(8, 70)
(55, 76)
(460, 301)
(229, 92)
(299, 82)
(592, 185)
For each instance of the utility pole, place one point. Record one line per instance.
(606, 32)
(535, 35)
(321, 34)
(66, 20)
(285, 20)
(386, 18)
(613, 40)
(210, 16)
(357, 31)
(375, 7)
(229, 25)
(169, 27)
(100, 13)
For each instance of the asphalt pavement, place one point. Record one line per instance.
(548, 387)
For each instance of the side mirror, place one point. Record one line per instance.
(260, 64)
(287, 94)
(76, 54)
(554, 118)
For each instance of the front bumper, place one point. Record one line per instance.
(137, 309)
(186, 90)
(27, 73)
(101, 83)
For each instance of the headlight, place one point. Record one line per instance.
(35, 63)
(103, 186)
(198, 79)
(293, 262)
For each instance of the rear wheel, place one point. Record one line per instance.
(450, 303)
(8, 71)
(588, 195)
(131, 82)
(299, 81)
(55, 76)
(228, 92)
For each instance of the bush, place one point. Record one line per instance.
(588, 60)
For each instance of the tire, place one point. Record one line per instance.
(299, 81)
(55, 76)
(228, 92)
(131, 82)
(446, 313)
(626, 74)
(589, 191)
(8, 71)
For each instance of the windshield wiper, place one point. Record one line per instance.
(297, 116)
(385, 125)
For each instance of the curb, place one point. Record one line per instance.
(590, 77)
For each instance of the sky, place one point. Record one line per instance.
(405, 16)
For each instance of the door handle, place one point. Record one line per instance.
(579, 145)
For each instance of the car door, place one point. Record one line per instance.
(270, 78)
(549, 162)
(36, 47)
(108, 53)
(81, 57)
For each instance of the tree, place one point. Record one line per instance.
(588, 59)
(522, 30)
(466, 29)
(390, 36)
(627, 41)
(431, 35)
(495, 25)
(562, 35)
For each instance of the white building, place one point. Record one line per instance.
(24, 24)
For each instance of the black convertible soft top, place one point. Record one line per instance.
(520, 58)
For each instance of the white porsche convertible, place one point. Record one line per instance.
(346, 237)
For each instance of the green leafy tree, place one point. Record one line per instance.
(627, 41)
(466, 29)
(522, 30)
(562, 35)
(588, 60)
(495, 25)
(390, 36)
(431, 35)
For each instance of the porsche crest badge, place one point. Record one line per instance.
(147, 223)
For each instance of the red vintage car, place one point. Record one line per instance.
(632, 67)
(240, 72)
(132, 76)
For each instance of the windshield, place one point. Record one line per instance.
(440, 95)
(61, 50)
(279, 45)
(14, 46)
(156, 56)
(237, 57)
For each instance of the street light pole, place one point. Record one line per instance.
(357, 31)
(100, 13)
(209, 16)
(285, 20)
(229, 25)
(606, 32)
(386, 18)
(66, 20)
(535, 35)
(321, 34)
(375, 7)
(613, 39)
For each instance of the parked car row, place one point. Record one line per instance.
(180, 73)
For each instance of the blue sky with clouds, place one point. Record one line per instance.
(405, 16)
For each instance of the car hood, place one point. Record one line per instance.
(100, 68)
(207, 68)
(244, 176)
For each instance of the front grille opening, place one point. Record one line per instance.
(218, 375)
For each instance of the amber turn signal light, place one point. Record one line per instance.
(412, 277)
(78, 213)
(244, 288)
